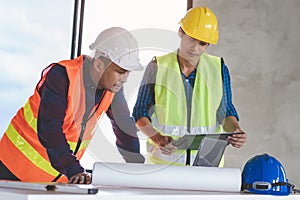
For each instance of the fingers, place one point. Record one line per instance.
(237, 140)
(88, 179)
(81, 178)
(161, 140)
(165, 141)
(168, 149)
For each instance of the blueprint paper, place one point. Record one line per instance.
(167, 177)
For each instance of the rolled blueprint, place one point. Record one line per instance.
(167, 177)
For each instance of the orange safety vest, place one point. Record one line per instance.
(20, 149)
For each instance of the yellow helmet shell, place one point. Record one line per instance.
(202, 24)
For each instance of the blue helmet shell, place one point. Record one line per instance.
(263, 174)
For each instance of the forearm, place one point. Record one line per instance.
(123, 125)
(63, 160)
(128, 144)
(231, 124)
(146, 127)
(125, 130)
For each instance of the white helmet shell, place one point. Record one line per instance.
(119, 46)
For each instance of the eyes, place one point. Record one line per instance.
(117, 69)
(122, 71)
(201, 43)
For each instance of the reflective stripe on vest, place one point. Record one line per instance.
(32, 122)
(170, 116)
(20, 149)
(179, 131)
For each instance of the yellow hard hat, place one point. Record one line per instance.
(202, 24)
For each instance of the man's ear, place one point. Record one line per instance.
(99, 65)
(180, 32)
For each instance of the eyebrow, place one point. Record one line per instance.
(120, 69)
(202, 43)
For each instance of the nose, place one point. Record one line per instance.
(124, 77)
(193, 43)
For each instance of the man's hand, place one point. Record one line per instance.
(231, 124)
(237, 140)
(164, 143)
(81, 178)
(161, 140)
(168, 149)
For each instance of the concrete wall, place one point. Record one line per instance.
(259, 40)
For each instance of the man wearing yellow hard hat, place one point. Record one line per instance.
(187, 92)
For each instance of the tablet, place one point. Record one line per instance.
(210, 152)
(193, 141)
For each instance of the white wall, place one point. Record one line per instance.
(259, 40)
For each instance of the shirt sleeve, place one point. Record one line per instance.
(226, 108)
(124, 128)
(146, 99)
(51, 116)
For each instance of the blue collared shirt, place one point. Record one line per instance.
(146, 99)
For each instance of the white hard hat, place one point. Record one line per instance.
(119, 46)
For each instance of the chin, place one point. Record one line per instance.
(114, 90)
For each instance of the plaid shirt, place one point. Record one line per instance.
(146, 99)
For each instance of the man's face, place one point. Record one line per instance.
(191, 49)
(113, 78)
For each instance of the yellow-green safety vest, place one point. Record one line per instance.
(170, 109)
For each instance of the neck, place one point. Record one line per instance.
(186, 67)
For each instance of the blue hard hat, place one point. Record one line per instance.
(263, 174)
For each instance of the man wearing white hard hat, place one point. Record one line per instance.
(48, 136)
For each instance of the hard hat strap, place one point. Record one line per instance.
(260, 185)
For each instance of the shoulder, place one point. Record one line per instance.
(57, 71)
(211, 56)
(152, 66)
(167, 55)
